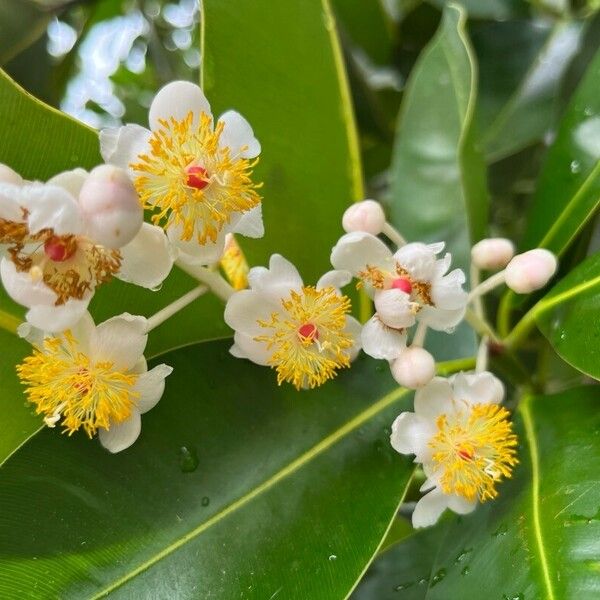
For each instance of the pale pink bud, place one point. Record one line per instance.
(365, 216)
(492, 254)
(111, 207)
(414, 368)
(530, 271)
(7, 175)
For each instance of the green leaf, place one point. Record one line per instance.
(532, 108)
(280, 65)
(569, 316)
(438, 188)
(235, 487)
(489, 9)
(539, 538)
(568, 192)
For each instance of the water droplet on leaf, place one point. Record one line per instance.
(188, 459)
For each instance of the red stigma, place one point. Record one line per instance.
(465, 454)
(197, 177)
(59, 249)
(402, 283)
(308, 331)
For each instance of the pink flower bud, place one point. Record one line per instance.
(365, 216)
(111, 207)
(7, 175)
(492, 254)
(414, 368)
(530, 271)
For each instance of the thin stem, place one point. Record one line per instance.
(452, 366)
(420, 334)
(488, 285)
(168, 311)
(217, 284)
(504, 313)
(481, 326)
(394, 235)
(482, 355)
(522, 329)
(475, 280)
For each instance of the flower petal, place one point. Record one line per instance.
(354, 329)
(54, 319)
(478, 388)
(447, 292)
(71, 181)
(251, 223)
(434, 399)
(280, 278)
(245, 308)
(151, 385)
(22, 288)
(147, 260)
(394, 308)
(460, 505)
(380, 341)
(411, 434)
(237, 134)
(246, 347)
(176, 100)
(439, 319)
(123, 146)
(10, 208)
(354, 251)
(121, 435)
(336, 279)
(193, 253)
(120, 340)
(51, 207)
(429, 508)
(418, 259)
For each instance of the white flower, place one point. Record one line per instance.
(464, 440)
(95, 378)
(412, 284)
(51, 262)
(303, 332)
(193, 173)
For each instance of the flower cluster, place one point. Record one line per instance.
(62, 239)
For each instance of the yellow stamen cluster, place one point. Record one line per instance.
(162, 178)
(474, 448)
(309, 361)
(234, 264)
(64, 383)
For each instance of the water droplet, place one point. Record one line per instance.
(188, 459)
(205, 501)
(502, 529)
(404, 586)
(575, 166)
(466, 570)
(463, 555)
(519, 596)
(438, 577)
(156, 288)
(332, 557)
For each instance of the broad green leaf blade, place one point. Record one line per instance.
(438, 187)
(569, 316)
(568, 192)
(538, 539)
(235, 487)
(532, 108)
(279, 64)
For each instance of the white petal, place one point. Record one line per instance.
(177, 99)
(336, 279)
(418, 259)
(354, 329)
(51, 207)
(251, 223)
(280, 278)
(439, 319)
(10, 208)
(478, 388)
(394, 308)
(411, 435)
(22, 288)
(123, 146)
(151, 386)
(246, 347)
(193, 253)
(238, 133)
(447, 292)
(120, 340)
(380, 341)
(147, 259)
(354, 251)
(71, 181)
(246, 307)
(83, 331)
(121, 435)
(460, 505)
(429, 508)
(434, 399)
(54, 319)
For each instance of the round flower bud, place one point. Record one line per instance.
(530, 271)
(492, 254)
(414, 368)
(367, 216)
(110, 206)
(7, 175)
(394, 308)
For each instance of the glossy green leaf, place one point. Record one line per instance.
(569, 316)
(236, 488)
(280, 65)
(532, 108)
(539, 539)
(438, 189)
(568, 192)
(489, 9)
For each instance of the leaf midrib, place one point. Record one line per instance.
(283, 473)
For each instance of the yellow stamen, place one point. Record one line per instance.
(309, 361)
(64, 383)
(163, 185)
(474, 448)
